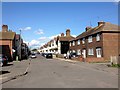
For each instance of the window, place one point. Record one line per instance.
(90, 51)
(83, 41)
(73, 51)
(99, 52)
(90, 39)
(73, 43)
(78, 42)
(98, 37)
(78, 52)
(70, 43)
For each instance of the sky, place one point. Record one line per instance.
(41, 21)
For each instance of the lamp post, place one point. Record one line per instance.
(20, 46)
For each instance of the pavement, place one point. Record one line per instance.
(97, 66)
(14, 69)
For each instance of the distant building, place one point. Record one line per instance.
(58, 45)
(97, 44)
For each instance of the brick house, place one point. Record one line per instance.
(97, 44)
(7, 42)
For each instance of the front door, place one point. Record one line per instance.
(84, 53)
(98, 52)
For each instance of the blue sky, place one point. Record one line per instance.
(40, 21)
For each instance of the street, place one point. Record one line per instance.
(55, 73)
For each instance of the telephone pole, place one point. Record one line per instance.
(20, 46)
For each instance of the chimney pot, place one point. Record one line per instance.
(4, 28)
(62, 34)
(101, 23)
(87, 28)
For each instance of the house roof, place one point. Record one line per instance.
(107, 27)
(7, 35)
(65, 38)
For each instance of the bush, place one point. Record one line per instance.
(116, 65)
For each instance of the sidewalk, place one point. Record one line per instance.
(15, 69)
(96, 66)
(67, 60)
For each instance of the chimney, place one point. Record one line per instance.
(68, 32)
(4, 28)
(101, 23)
(62, 34)
(87, 28)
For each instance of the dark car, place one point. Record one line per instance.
(43, 54)
(72, 55)
(3, 60)
(49, 55)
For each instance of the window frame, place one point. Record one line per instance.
(78, 42)
(90, 39)
(98, 37)
(83, 41)
(90, 51)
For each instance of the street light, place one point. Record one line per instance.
(20, 46)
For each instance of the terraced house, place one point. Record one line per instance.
(97, 44)
(59, 45)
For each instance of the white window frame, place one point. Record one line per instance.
(73, 51)
(99, 52)
(78, 52)
(78, 42)
(90, 51)
(83, 41)
(73, 43)
(89, 39)
(70, 43)
(98, 37)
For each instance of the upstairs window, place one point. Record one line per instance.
(73, 43)
(78, 42)
(70, 43)
(90, 51)
(83, 41)
(98, 37)
(89, 39)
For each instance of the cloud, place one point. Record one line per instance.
(25, 29)
(52, 37)
(74, 35)
(37, 43)
(43, 38)
(40, 31)
(34, 43)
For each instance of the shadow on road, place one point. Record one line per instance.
(9, 65)
(4, 72)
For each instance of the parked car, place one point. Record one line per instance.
(72, 55)
(49, 55)
(33, 55)
(3, 60)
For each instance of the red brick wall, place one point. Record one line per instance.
(9, 43)
(110, 45)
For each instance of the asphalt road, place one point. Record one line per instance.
(53, 73)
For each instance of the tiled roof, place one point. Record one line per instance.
(7, 35)
(65, 38)
(107, 27)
